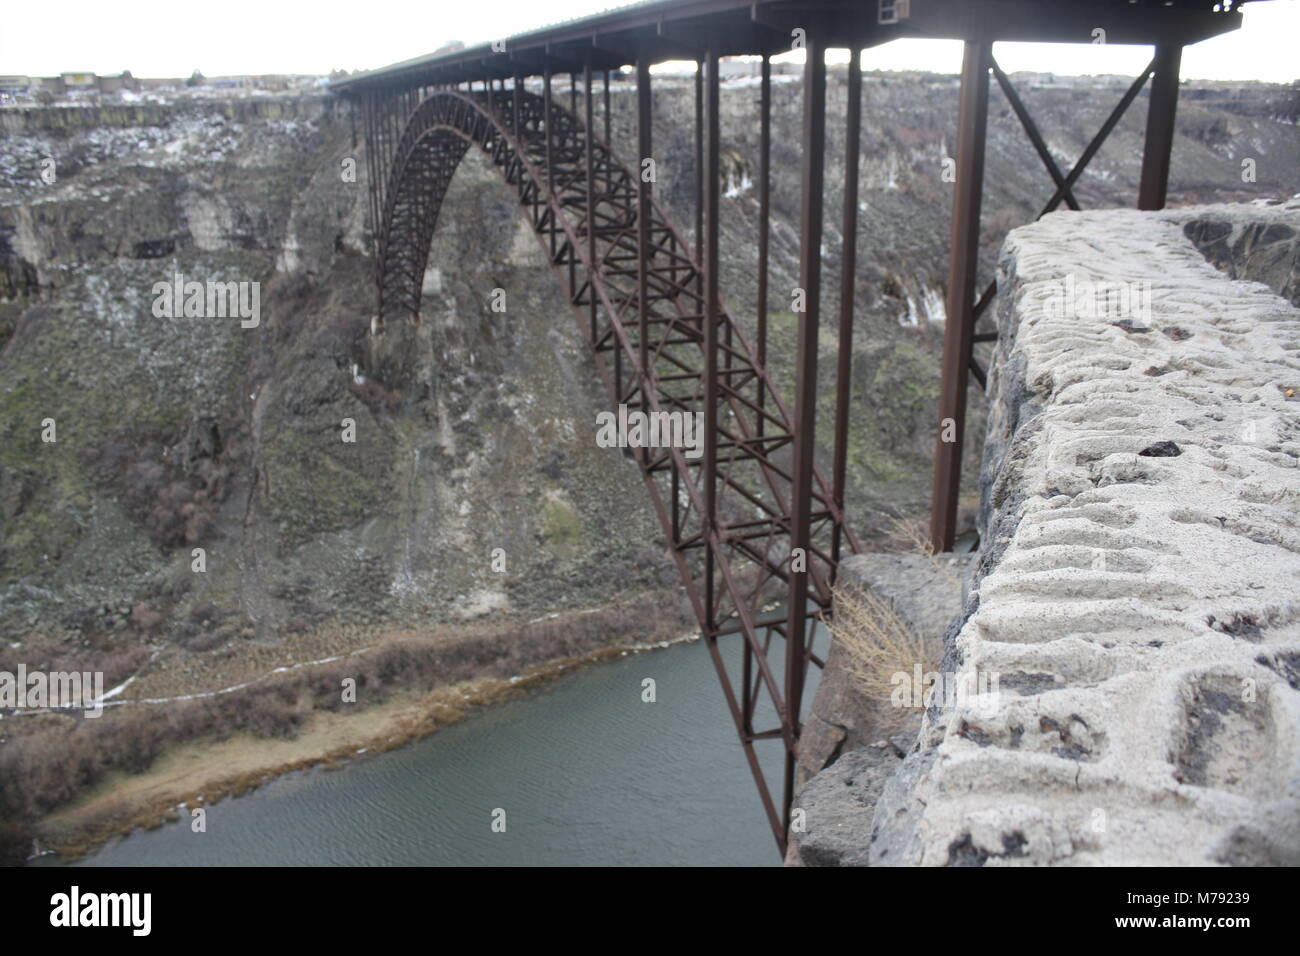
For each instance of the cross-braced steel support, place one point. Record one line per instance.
(964, 312)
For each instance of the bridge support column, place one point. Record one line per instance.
(1160, 127)
(805, 413)
(590, 147)
(699, 162)
(643, 191)
(516, 121)
(848, 275)
(963, 260)
(707, 140)
(550, 159)
(764, 222)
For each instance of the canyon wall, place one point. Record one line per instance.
(175, 435)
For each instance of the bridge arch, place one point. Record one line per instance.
(510, 130)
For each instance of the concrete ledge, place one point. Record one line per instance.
(1138, 591)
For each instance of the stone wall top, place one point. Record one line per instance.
(1138, 592)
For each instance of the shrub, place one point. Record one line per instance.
(878, 644)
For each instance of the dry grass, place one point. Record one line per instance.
(878, 644)
(909, 536)
(912, 536)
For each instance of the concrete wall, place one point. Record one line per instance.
(1138, 588)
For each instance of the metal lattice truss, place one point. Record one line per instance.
(660, 350)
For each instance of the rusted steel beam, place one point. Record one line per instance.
(589, 147)
(972, 125)
(549, 129)
(1102, 135)
(848, 284)
(573, 110)
(706, 219)
(515, 104)
(1160, 128)
(699, 163)
(605, 94)
(1035, 137)
(372, 185)
(644, 146)
(1112, 120)
(764, 211)
(805, 425)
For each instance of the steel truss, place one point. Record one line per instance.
(727, 515)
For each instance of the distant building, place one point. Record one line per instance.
(78, 81)
(66, 83)
(115, 84)
(81, 85)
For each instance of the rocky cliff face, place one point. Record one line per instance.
(176, 434)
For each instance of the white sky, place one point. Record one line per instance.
(170, 38)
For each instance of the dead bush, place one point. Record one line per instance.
(878, 645)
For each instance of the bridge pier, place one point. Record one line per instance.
(963, 260)
(1160, 127)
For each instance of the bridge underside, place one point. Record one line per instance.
(755, 527)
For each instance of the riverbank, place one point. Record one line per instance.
(407, 685)
(588, 771)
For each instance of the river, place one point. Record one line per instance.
(586, 772)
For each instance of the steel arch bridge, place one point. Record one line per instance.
(654, 359)
(753, 519)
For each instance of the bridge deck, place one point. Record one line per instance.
(662, 30)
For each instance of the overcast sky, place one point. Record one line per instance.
(170, 38)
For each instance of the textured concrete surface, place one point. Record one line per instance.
(1138, 590)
